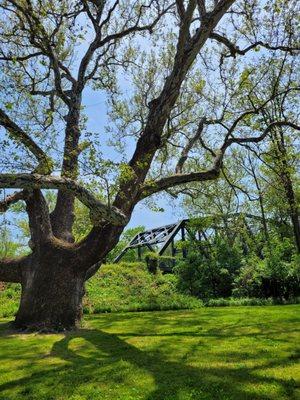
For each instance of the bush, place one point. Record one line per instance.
(130, 287)
(209, 273)
(276, 276)
(9, 300)
(246, 301)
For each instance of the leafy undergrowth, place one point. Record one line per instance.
(249, 301)
(9, 300)
(232, 353)
(130, 287)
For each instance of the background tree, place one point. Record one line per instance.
(186, 65)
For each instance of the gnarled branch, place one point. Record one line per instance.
(150, 188)
(234, 49)
(10, 200)
(98, 210)
(11, 270)
(18, 134)
(189, 146)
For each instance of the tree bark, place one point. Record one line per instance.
(287, 182)
(10, 270)
(52, 277)
(293, 209)
(52, 292)
(261, 202)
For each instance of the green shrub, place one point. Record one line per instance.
(209, 272)
(246, 301)
(130, 287)
(276, 276)
(9, 300)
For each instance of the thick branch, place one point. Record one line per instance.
(179, 179)
(180, 9)
(11, 270)
(160, 108)
(234, 49)
(10, 200)
(201, 8)
(98, 210)
(18, 134)
(212, 173)
(189, 146)
(39, 218)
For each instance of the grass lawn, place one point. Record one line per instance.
(210, 353)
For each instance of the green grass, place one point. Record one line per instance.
(130, 287)
(232, 353)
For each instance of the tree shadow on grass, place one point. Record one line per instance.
(172, 379)
(5, 328)
(107, 359)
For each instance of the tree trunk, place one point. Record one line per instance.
(293, 210)
(51, 299)
(261, 203)
(287, 181)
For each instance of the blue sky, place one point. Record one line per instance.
(151, 219)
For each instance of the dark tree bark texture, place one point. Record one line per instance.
(51, 297)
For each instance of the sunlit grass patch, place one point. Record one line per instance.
(214, 354)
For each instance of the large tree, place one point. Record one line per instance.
(185, 63)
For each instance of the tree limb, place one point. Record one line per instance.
(189, 146)
(180, 9)
(98, 210)
(39, 218)
(10, 200)
(234, 49)
(11, 270)
(159, 108)
(20, 58)
(17, 133)
(212, 173)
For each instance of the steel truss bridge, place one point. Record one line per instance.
(163, 236)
